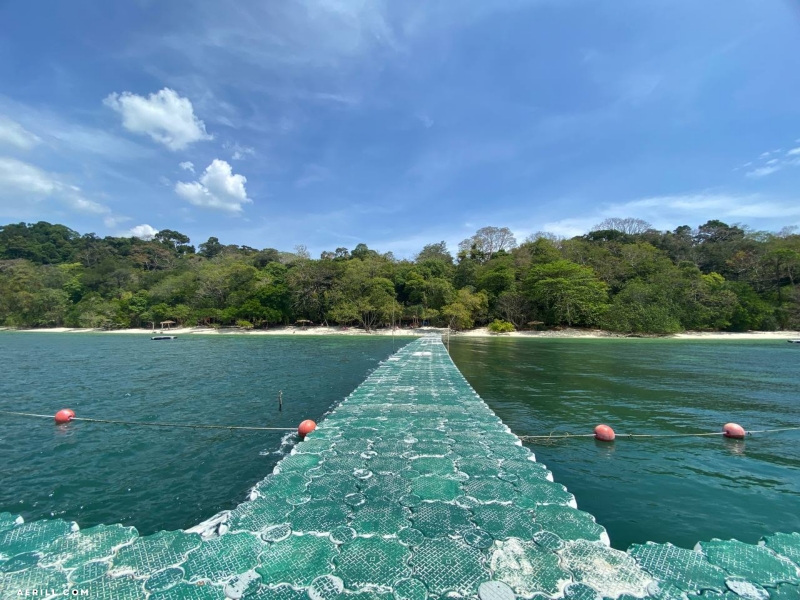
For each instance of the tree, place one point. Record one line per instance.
(642, 308)
(361, 297)
(362, 252)
(466, 309)
(486, 242)
(514, 307)
(175, 241)
(210, 248)
(567, 293)
(436, 252)
(718, 276)
(628, 226)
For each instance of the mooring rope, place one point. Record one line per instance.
(192, 426)
(649, 435)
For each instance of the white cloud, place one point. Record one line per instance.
(21, 183)
(426, 121)
(312, 174)
(765, 155)
(164, 116)
(217, 188)
(763, 171)
(187, 166)
(239, 152)
(14, 134)
(793, 152)
(144, 232)
(17, 177)
(114, 220)
(774, 161)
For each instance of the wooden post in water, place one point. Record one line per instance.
(280, 401)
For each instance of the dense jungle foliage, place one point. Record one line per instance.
(623, 276)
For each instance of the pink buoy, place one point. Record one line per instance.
(306, 427)
(604, 433)
(734, 431)
(65, 415)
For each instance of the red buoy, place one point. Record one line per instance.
(306, 427)
(734, 431)
(604, 433)
(65, 415)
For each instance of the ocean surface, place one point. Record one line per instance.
(151, 477)
(680, 490)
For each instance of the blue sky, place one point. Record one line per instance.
(332, 122)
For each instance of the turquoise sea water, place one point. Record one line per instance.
(679, 490)
(158, 478)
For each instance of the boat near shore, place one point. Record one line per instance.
(164, 337)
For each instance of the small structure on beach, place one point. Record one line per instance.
(167, 323)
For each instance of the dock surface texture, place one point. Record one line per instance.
(411, 488)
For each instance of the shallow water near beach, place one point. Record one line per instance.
(663, 489)
(680, 490)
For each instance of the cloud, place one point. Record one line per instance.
(793, 152)
(774, 161)
(14, 134)
(187, 166)
(21, 182)
(312, 174)
(144, 232)
(164, 116)
(765, 155)
(114, 220)
(239, 152)
(217, 188)
(426, 121)
(17, 177)
(763, 171)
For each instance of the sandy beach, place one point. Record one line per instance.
(480, 332)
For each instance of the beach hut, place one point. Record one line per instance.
(304, 322)
(167, 323)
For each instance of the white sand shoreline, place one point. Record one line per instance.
(481, 332)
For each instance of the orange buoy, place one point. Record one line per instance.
(306, 427)
(604, 433)
(734, 431)
(65, 415)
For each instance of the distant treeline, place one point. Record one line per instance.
(624, 276)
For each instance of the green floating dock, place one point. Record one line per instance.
(411, 489)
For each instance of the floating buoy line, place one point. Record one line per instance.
(602, 432)
(66, 415)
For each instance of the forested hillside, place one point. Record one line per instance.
(623, 276)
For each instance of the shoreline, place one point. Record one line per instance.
(480, 332)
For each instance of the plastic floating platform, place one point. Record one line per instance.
(411, 489)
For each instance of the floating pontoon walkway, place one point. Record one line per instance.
(412, 488)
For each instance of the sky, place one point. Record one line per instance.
(328, 123)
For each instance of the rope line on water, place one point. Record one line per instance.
(187, 425)
(649, 435)
(522, 437)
